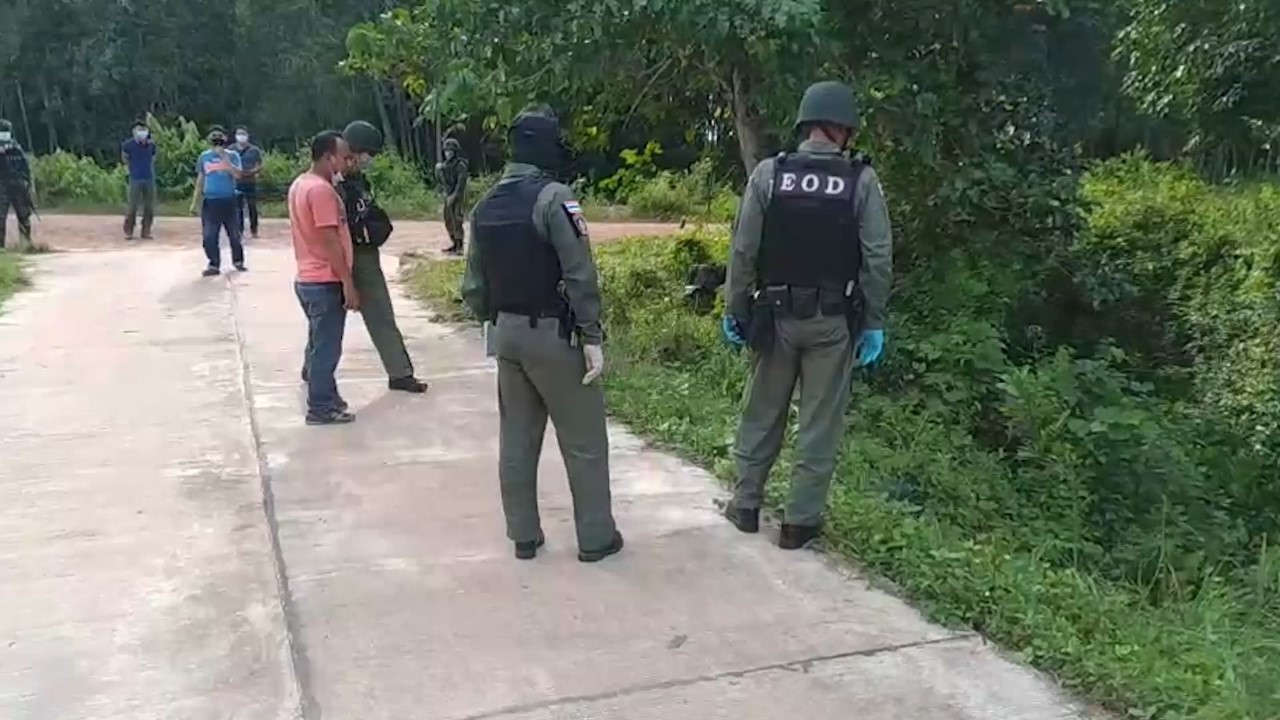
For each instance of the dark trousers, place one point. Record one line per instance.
(216, 215)
(20, 201)
(142, 195)
(326, 325)
(247, 199)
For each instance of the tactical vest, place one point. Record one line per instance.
(12, 163)
(368, 222)
(520, 266)
(811, 237)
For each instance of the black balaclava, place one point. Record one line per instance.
(535, 140)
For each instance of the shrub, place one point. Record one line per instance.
(66, 178)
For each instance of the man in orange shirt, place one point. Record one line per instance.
(322, 246)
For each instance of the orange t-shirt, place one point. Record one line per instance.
(314, 205)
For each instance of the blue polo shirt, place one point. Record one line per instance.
(141, 157)
(219, 183)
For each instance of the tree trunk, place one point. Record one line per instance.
(746, 123)
(388, 131)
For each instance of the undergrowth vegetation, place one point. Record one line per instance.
(1070, 449)
(639, 190)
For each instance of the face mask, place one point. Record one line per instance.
(140, 135)
(5, 136)
(242, 139)
(364, 162)
(219, 141)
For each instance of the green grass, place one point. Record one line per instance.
(1207, 652)
(12, 277)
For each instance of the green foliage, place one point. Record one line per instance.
(400, 187)
(12, 277)
(66, 178)
(1211, 66)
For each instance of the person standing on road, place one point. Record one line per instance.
(371, 227)
(324, 285)
(808, 284)
(15, 187)
(530, 273)
(217, 171)
(247, 183)
(451, 177)
(139, 155)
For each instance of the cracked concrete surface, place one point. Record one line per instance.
(175, 543)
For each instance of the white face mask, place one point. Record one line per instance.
(140, 135)
(242, 139)
(5, 136)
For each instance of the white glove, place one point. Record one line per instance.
(594, 355)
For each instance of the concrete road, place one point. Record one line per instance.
(176, 544)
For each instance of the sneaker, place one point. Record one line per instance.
(593, 556)
(241, 268)
(332, 417)
(794, 537)
(211, 272)
(529, 550)
(407, 384)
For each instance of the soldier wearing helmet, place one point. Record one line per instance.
(451, 178)
(371, 227)
(15, 186)
(807, 288)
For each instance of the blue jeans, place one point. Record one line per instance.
(326, 324)
(217, 214)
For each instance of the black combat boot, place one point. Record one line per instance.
(407, 384)
(593, 556)
(794, 537)
(745, 519)
(529, 550)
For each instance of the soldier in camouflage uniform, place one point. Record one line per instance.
(15, 186)
(370, 228)
(451, 178)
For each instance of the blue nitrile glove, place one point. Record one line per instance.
(732, 331)
(870, 347)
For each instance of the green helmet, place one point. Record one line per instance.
(452, 144)
(363, 137)
(829, 102)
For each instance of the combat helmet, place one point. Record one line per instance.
(363, 137)
(829, 102)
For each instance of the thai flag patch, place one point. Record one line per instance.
(574, 211)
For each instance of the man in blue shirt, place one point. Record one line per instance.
(139, 155)
(247, 185)
(217, 171)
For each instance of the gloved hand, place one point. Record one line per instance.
(732, 331)
(869, 348)
(594, 355)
